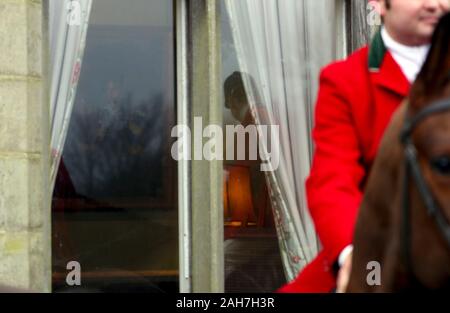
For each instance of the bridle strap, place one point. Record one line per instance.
(412, 168)
(410, 125)
(433, 209)
(406, 220)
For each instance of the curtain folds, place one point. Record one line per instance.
(68, 21)
(281, 46)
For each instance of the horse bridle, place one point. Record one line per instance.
(412, 168)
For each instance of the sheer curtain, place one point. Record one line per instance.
(68, 22)
(282, 45)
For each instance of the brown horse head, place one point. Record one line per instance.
(405, 213)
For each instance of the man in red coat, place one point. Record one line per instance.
(356, 99)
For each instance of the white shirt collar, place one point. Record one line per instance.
(409, 58)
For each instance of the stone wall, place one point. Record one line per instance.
(24, 146)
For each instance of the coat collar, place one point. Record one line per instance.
(385, 72)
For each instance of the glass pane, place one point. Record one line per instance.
(252, 256)
(114, 203)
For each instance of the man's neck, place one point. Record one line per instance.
(408, 41)
(409, 58)
(392, 44)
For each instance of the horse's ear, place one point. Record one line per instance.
(436, 66)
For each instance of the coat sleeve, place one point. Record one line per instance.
(334, 188)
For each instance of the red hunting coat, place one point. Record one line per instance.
(356, 100)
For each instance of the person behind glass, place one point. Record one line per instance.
(356, 100)
(237, 100)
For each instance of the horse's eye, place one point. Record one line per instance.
(441, 165)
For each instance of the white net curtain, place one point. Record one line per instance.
(68, 22)
(282, 45)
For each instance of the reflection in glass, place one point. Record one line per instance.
(114, 203)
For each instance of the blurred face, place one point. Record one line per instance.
(412, 22)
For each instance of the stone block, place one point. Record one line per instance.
(20, 37)
(20, 115)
